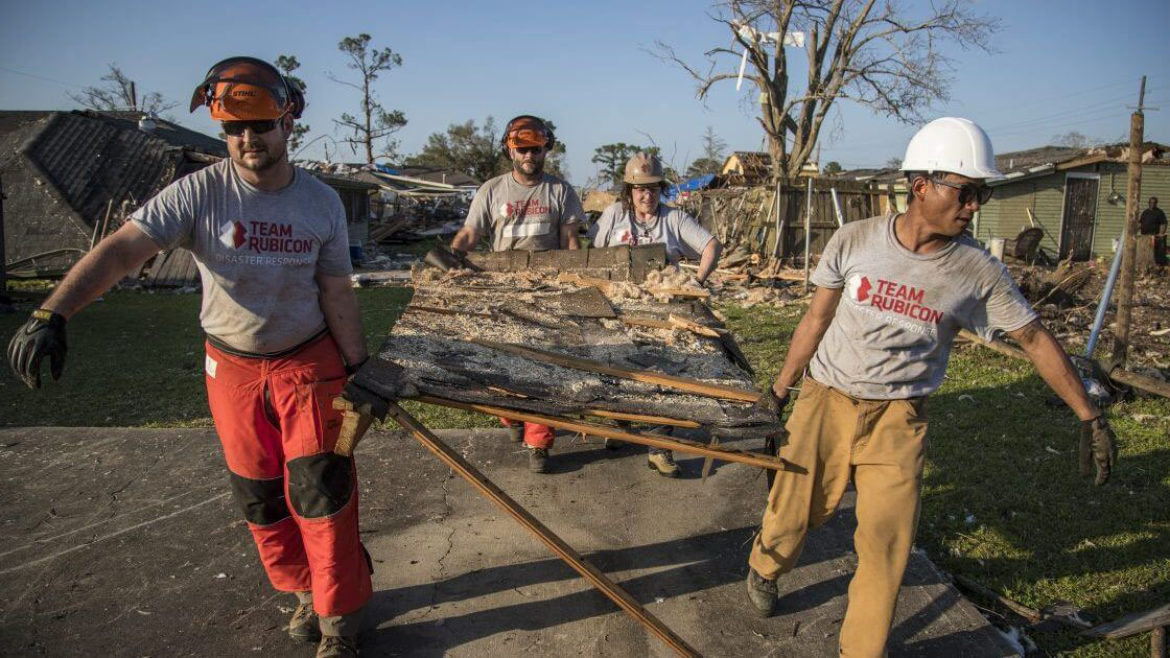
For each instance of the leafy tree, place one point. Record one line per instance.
(834, 167)
(894, 162)
(704, 166)
(121, 93)
(374, 123)
(554, 160)
(613, 158)
(466, 148)
(287, 64)
(884, 55)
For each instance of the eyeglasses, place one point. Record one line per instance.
(237, 128)
(968, 191)
(528, 149)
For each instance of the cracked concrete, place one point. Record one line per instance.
(170, 570)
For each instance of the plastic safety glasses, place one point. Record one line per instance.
(968, 191)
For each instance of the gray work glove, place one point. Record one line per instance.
(1098, 447)
(43, 335)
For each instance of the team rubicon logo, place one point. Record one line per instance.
(891, 297)
(263, 237)
(528, 208)
(233, 235)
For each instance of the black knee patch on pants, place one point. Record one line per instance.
(320, 485)
(261, 501)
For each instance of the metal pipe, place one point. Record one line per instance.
(807, 231)
(837, 207)
(563, 550)
(1106, 293)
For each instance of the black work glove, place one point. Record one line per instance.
(772, 403)
(1098, 447)
(43, 334)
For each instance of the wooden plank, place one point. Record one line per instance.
(444, 311)
(681, 292)
(1139, 622)
(564, 551)
(640, 418)
(643, 438)
(688, 385)
(694, 327)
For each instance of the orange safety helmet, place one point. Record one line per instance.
(246, 89)
(527, 130)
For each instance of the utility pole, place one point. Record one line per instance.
(1137, 122)
(3, 259)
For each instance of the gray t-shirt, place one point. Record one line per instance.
(899, 311)
(674, 228)
(258, 252)
(523, 217)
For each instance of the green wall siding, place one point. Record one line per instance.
(1005, 214)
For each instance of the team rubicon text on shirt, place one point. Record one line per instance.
(272, 239)
(892, 297)
(264, 237)
(530, 207)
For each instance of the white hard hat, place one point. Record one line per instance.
(954, 145)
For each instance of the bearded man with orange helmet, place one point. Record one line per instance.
(892, 293)
(530, 209)
(283, 331)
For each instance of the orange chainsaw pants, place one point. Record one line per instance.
(276, 421)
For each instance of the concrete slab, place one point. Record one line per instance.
(126, 543)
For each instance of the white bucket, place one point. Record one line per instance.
(995, 246)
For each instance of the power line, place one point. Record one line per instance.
(38, 77)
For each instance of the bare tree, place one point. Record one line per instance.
(287, 64)
(121, 93)
(374, 123)
(1075, 140)
(880, 54)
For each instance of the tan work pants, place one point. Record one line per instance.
(880, 445)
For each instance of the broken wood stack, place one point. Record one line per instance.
(569, 333)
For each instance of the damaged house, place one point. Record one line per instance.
(71, 177)
(1076, 196)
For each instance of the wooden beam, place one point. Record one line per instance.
(595, 576)
(646, 439)
(639, 418)
(1119, 375)
(695, 386)
(1139, 622)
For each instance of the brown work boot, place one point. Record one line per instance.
(762, 593)
(337, 646)
(537, 459)
(303, 626)
(516, 432)
(663, 462)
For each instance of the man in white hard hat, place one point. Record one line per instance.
(892, 292)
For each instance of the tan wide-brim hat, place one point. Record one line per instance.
(643, 169)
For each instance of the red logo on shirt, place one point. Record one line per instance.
(892, 297)
(233, 235)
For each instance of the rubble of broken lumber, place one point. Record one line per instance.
(556, 342)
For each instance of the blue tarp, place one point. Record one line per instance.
(693, 184)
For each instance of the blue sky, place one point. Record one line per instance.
(1060, 67)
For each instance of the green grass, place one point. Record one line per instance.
(1003, 502)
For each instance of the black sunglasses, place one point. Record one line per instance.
(237, 128)
(528, 149)
(968, 191)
